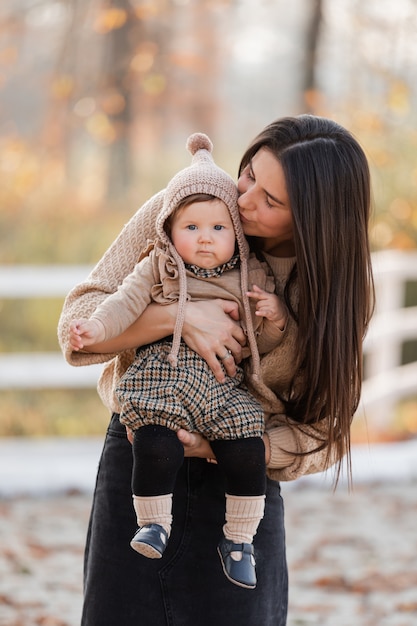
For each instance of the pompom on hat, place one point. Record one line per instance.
(203, 176)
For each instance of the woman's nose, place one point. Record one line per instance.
(245, 201)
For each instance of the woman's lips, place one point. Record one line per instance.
(244, 220)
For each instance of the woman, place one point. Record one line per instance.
(304, 205)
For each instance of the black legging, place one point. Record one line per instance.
(158, 455)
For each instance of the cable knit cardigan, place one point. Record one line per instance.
(286, 438)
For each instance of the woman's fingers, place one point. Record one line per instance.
(227, 361)
(195, 444)
(211, 331)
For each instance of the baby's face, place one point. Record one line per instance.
(203, 234)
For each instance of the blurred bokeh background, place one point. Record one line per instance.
(96, 101)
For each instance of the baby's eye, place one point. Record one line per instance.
(218, 227)
(191, 227)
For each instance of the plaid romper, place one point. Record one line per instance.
(188, 396)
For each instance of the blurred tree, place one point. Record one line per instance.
(127, 68)
(127, 78)
(119, 27)
(313, 32)
(90, 90)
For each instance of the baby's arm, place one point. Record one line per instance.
(117, 312)
(85, 332)
(269, 306)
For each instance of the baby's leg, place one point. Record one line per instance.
(243, 462)
(157, 457)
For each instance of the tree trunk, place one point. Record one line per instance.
(312, 46)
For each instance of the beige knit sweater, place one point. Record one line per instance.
(277, 367)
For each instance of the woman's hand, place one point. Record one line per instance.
(195, 445)
(212, 330)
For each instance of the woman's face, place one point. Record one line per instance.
(264, 205)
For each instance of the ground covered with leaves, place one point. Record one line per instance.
(352, 557)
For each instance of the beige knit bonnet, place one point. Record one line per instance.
(204, 176)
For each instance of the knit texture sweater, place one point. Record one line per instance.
(293, 447)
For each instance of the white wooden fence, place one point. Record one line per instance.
(386, 380)
(42, 370)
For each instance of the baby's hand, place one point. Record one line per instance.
(85, 332)
(269, 305)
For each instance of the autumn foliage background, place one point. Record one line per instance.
(97, 99)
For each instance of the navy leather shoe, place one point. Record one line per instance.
(150, 540)
(238, 562)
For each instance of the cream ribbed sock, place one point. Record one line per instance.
(154, 510)
(243, 514)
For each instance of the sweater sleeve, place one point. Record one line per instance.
(109, 273)
(269, 337)
(289, 445)
(119, 310)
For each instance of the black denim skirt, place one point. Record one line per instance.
(187, 587)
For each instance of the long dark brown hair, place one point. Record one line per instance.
(328, 184)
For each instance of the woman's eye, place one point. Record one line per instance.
(250, 175)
